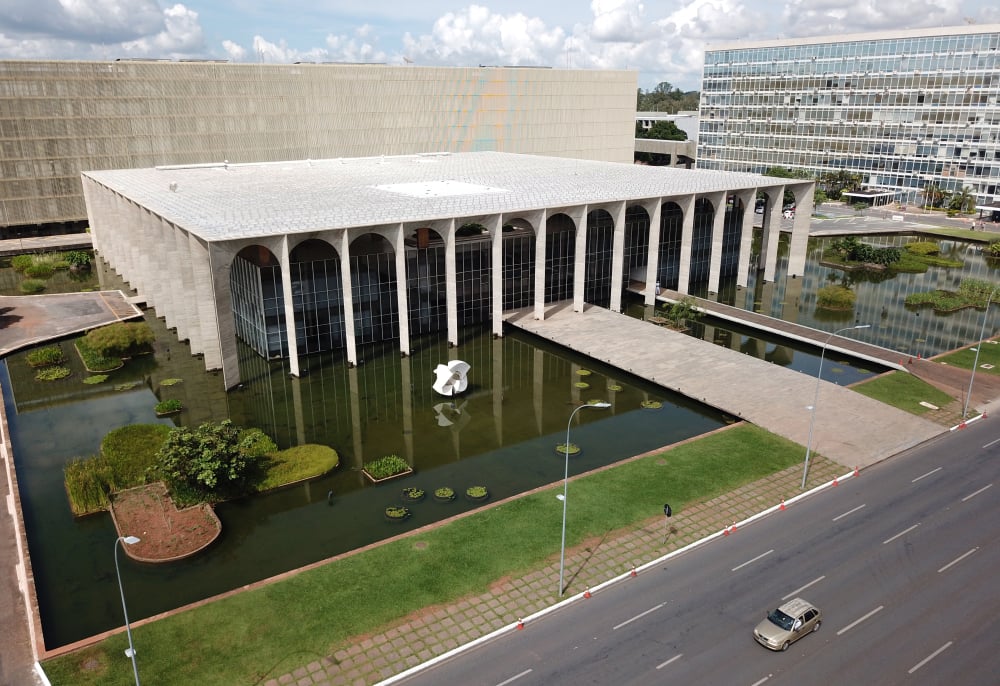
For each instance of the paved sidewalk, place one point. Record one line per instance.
(436, 630)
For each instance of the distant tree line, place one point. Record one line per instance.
(665, 98)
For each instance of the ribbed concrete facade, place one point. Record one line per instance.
(325, 254)
(58, 119)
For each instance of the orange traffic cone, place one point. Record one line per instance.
(782, 504)
(586, 594)
(835, 481)
(734, 526)
(520, 624)
(633, 571)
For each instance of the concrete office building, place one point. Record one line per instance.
(300, 257)
(904, 109)
(58, 119)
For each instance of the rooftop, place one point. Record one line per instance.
(219, 202)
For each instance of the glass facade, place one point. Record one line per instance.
(904, 111)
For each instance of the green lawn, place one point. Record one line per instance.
(961, 234)
(989, 354)
(904, 391)
(263, 633)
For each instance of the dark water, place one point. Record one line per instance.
(502, 433)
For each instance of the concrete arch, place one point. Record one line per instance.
(700, 258)
(671, 236)
(256, 290)
(426, 281)
(599, 258)
(372, 261)
(518, 263)
(317, 287)
(560, 257)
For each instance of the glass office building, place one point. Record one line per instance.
(904, 109)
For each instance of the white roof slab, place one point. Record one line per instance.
(219, 202)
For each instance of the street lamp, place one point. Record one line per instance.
(812, 415)
(982, 334)
(562, 553)
(128, 540)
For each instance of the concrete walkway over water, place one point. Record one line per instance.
(850, 428)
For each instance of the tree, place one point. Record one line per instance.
(819, 197)
(662, 130)
(665, 98)
(962, 200)
(211, 461)
(934, 195)
(839, 182)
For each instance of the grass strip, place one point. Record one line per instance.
(903, 391)
(266, 632)
(989, 354)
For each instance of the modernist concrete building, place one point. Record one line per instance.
(308, 256)
(905, 109)
(58, 119)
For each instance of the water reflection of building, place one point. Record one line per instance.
(301, 257)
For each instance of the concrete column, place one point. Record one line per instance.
(540, 234)
(180, 267)
(687, 232)
(451, 281)
(749, 199)
(216, 311)
(144, 278)
(582, 221)
(772, 230)
(402, 298)
(406, 395)
(284, 260)
(618, 258)
(655, 210)
(799, 244)
(495, 226)
(350, 341)
(718, 201)
(498, 390)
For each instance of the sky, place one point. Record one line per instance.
(662, 40)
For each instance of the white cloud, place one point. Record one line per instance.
(235, 51)
(181, 36)
(820, 17)
(107, 21)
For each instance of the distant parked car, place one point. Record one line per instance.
(787, 624)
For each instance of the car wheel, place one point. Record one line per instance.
(784, 646)
(816, 626)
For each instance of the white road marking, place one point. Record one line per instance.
(638, 616)
(859, 620)
(753, 560)
(929, 657)
(901, 533)
(664, 664)
(925, 475)
(958, 559)
(802, 588)
(514, 678)
(973, 495)
(991, 444)
(848, 512)
(760, 681)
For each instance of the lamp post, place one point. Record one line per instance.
(982, 335)
(128, 540)
(812, 415)
(562, 551)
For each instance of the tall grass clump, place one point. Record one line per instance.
(131, 452)
(87, 486)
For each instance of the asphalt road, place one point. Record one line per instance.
(901, 560)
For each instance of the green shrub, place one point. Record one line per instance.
(168, 406)
(994, 249)
(43, 357)
(835, 297)
(412, 493)
(120, 339)
(476, 492)
(93, 361)
(32, 286)
(52, 373)
(80, 259)
(256, 443)
(131, 453)
(397, 512)
(39, 271)
(21, 262)
(923, 248)
(86, 482)
(206, 463)
(95, 379)
(386, 466)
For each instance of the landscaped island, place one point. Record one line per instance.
(160, 483)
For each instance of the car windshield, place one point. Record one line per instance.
(781, 619)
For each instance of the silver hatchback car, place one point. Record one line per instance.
(787, 624)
